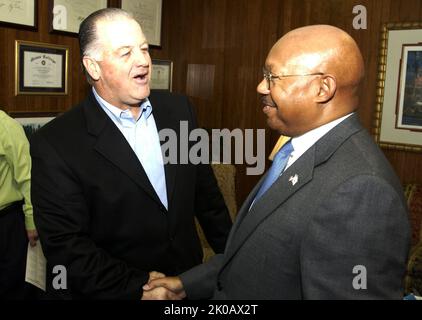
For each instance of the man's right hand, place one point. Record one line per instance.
(173, 287)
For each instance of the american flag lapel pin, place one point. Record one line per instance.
(294, 179)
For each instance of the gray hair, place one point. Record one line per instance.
(89, 44)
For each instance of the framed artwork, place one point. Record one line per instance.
(148, 14)
(31, 122)
(67, 15)
(40, 68)
(398, 118)
(19, 13)
(162, 75)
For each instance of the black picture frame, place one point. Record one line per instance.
(154, 22)
(162, 75)
(41, 68)
(18, 21)
(73, 29)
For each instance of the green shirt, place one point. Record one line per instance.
(15, 167)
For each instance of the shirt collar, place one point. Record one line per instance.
(146, 108)
(307, 140)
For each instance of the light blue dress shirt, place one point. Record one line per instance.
(142, 136)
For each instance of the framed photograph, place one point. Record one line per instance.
(19, 13)
(148, 14)
(67, 15)
(162, 75)
(41, 68)
(398, 118)
(31, 122)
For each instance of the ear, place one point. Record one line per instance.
(327, 88)
(92, 67)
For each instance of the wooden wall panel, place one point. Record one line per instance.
(249, 30)
(231, 39)
(77, 88)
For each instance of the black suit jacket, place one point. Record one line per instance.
(97, 213)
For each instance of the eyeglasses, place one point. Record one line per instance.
(269, 77)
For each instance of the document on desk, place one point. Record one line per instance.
(36, 266)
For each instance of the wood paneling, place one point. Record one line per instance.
(229, 41)
(235, 36)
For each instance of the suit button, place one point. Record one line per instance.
(219, 285)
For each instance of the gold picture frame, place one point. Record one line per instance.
(41, 68)
(162, 75)
(398, 113)
(19, 14)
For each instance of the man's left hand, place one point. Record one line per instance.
(32, 237)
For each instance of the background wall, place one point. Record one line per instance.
(218, 48)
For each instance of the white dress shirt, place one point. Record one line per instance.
(302, 143)
(142, 136)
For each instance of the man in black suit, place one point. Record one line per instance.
(329, 219)
(107, 207)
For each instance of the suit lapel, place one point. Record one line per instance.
(112, 145)
(164, 119)
(285, 187)
(279, 192)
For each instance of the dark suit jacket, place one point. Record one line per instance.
(97, 213)
(304, 240)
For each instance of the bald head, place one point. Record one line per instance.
(325, 49)
(324, 69)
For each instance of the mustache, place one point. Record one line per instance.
(267, 101)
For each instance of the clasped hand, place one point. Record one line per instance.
(160, 287)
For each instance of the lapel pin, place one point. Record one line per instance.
(294, 179)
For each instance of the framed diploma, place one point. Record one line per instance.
(67, 15)
(148, 14)
(41, 68)
(19, 13)
(162, 75)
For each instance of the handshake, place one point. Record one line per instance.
(160, 287)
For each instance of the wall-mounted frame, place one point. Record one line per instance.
(398, 117)
(148, 14)
(40, 68)
(67, 15)
(19, 14)
(32, 121)
(162, 75)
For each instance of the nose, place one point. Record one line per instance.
(263, 87)
(142, 57)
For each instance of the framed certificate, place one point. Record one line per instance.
(162, 75)
(19, 13)
(148, 14)
(67, 15)
(40, 68)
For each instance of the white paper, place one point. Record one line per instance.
(36, 266)
(43, 70)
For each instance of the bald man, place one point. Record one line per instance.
(333, 223)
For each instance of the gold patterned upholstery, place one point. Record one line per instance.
(413, 280)
(226, 179)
